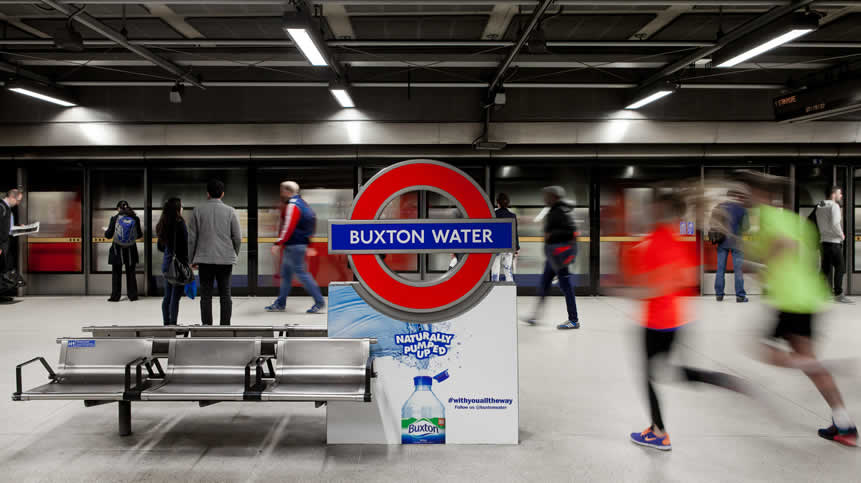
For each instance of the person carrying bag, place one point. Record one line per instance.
(173, 241)
(124, 230)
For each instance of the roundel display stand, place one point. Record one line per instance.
(446, 352)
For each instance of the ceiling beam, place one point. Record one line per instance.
(534, 20)
(734, 35)
(16, 70)
(419, 85)
(339, 22)
(170, 17)
(96, 25)
(838, 14)
(18, 24)
(213, 43)
(443, 61)
(500, 19)
(660, 21)
(574, 3)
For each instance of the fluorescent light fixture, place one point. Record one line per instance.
(43, 93)
(783, 30)
(762, 48)
(342, 94)
(650, 99)
(306, 44)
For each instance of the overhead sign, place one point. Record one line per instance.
(422, 236)
(476, 236)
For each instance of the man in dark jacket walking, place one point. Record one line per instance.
(560, 248)
(7, 220)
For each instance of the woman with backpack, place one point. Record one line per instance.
(173, 241)
(125, 230)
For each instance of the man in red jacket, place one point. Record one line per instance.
(296, 228)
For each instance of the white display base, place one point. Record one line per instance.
(481, 363)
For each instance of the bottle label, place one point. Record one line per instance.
(423, 431)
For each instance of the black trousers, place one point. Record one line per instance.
(117, 281)
(832, 257)
(661, 343)
(209, 275)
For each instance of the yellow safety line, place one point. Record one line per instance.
(523, 239)
(54, 240)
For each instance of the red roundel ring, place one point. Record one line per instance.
(411, 176)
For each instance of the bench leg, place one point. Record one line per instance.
(125, 418)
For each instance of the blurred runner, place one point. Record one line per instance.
(667, 268)
(786, 245)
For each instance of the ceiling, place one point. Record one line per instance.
(460, 44)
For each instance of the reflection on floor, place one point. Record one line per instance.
(580, 392)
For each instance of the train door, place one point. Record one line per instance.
(53, 258)
(109, 186)
(523, 183)
(189, 184)
(626, 193)
(329, 192)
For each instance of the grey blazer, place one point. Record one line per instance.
(214, 236)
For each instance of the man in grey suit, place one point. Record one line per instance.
(214, 238)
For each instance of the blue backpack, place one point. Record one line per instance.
(125, 231)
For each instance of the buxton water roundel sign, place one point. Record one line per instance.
(476, 236)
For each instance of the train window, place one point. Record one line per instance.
(329, 192)
(54, 199)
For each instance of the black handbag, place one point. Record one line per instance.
(11, 280)
(178, 272)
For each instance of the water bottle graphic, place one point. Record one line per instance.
(423, 415)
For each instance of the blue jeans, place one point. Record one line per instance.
(293, 263)
(172, 294)
(170, 303)
(564, 283)
(737, 261)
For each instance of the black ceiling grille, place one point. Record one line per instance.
(139, 28)
(462, 27)
(701, 27)
(585, 27)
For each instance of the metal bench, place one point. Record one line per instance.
(290, 330)
(94, 370)
(321, 370)
(205, 369)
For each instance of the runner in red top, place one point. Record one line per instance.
(666, 267)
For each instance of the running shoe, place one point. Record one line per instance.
(719, 298)
(571, 324)
(316, 308)
(848, 437)
(274, 308)
(843, 299)
(649, 439)
(742, 300)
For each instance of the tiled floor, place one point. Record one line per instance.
(580, 391)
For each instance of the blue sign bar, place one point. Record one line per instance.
(421, 236)
(82, 343)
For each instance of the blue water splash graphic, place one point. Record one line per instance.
(352, 317)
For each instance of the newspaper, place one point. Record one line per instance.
(21, 230)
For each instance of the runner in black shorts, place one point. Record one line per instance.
(786, 246)
(789, 324)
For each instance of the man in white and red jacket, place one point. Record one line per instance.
(294, 234)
